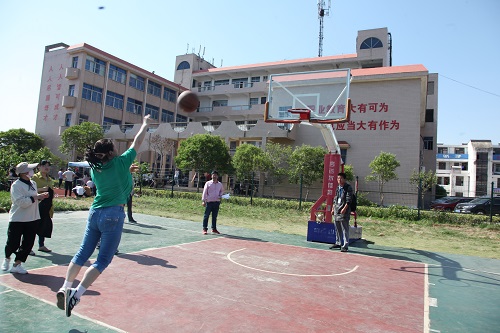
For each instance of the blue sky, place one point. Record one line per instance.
(456, 38)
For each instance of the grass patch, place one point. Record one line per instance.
(436, 232)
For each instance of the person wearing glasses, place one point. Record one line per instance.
(111, 175)
(44, 184)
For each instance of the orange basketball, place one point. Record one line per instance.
(188, 101)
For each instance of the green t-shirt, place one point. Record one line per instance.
(114, 181)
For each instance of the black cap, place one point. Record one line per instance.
(214, 172)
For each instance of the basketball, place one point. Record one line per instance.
(188, 101)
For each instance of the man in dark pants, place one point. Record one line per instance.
(342, 213)
(129, 208)
(212, 193)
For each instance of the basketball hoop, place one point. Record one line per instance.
(304, 114)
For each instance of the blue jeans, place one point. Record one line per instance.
(211, 207)
(105, 224)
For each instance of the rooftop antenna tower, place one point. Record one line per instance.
(323, 10)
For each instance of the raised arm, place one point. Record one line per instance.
(139, 137)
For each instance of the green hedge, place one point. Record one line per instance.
(392, 212)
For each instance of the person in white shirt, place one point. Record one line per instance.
(91, 185)
(79, 191)
(68, 176)
(23, 218)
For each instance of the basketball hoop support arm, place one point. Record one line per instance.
(329, 136)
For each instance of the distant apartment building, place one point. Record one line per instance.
(394, 108)
(469, 170)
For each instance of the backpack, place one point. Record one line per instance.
(354, 201)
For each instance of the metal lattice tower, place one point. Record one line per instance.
(323, 11)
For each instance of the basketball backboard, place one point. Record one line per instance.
(316, 96)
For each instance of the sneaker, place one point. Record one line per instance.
(132, 221)
(334, 246)
(71, 300)
(60, 298)
(205, 231)
(6, 264)
(214, 231)
(32, 253)
(44, 249)
(19, 269)
(344, 249)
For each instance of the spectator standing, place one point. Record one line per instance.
(44, 183)
(112, 177)
(23, 218)
(60, 176)
(69, 176)
(212, 193)
(342, 213)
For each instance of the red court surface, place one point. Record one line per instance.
(235, 285)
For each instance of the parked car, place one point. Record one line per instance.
(449, 204)
(479, 206)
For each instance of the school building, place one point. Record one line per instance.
(394, 108)
(470, 169)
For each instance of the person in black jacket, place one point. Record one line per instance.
(342, 213)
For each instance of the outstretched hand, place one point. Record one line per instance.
(134, 168)
(147, 119)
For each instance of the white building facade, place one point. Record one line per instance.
(394, 108)
(469, 170)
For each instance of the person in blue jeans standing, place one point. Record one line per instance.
(113, 180)
(212, 193)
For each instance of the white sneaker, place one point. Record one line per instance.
(6, 264)
(60, 298)
(19, 269)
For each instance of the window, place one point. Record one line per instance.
(67, 120)
(92, 93)
(255, 79)
(446, 180)
(240, 83)
(220, 102)
(181, 119)
(169, 94)
(83, 118)
(184, 65)
(221, 82)
(283, 112)
(496, 169)
(459, 181)
(428, 143)
(429, 115)
(371, 43)
(152, 110)
(442, 166)
(265, 78)
(263, 100)
(442, 150)
(117, 74)
(136, 82)
(154, 89)
(167, 116)
(71, 90)
(134, 106)
(110, 121)
(74, 62)
(459, 150)
(254, 100)
(465, 166)
(95, 65)
(430, 88)
(114, 100)
(343, 155)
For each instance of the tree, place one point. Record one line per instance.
(425, 180)
(349, 172)
(306, 163)
(203, 153)
(383, 169)
(247, 159)
(162, 146)
(77, 138)
(278, 156)
(21, 140)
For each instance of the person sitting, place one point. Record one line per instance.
(79, 191)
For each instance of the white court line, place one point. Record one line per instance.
(281, 273)
(427, 319)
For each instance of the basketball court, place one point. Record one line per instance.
(169, 277)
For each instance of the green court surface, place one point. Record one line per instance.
(463, 292)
